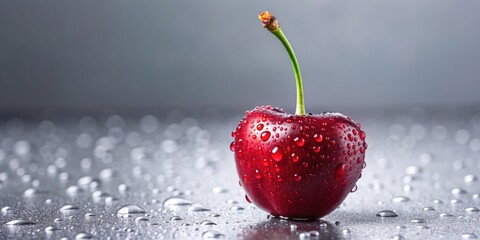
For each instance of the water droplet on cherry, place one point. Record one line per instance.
(362, 135)
(297, 177)
(265, 135)
(295, 157)
(316, 149)
(232, 146)
(277, 154)
(340, 172)
(318, 137)
(299, 141)
(259, 127)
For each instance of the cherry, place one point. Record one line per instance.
(297, 165)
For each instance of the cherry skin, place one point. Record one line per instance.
(297, 166)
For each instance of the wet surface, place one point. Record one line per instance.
(172, 176)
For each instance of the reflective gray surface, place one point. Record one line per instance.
(171, 176)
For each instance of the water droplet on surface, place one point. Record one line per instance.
(469, 236)
(413, 170)
(212, 235)
(417, 220)
(260, 127)
(398, 237)
(207, 223)
(400, 199)
(458, 191)
(175, 201)
(7, 210)
(175, 218)
(197, 208)
(237, 208)
(20, 222)
(74, 190)
(470, 178)
(428, 209)
(455, 201)
(472, 209)
(265, 135)
(354, 189)
(32, 192)
(232, 146)
(309, 235)
(386, 213)
(51, 229)
(84, 236)
(316, 149)
(130, 209)
(219, 190)
(277, 154)
(141, 219)
(68, 208)
(446, 215)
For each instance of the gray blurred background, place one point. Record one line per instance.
(196, 54)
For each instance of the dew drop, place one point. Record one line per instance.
(299, 141)
(207, 223)
(51, 229)
(362, 135)
(175, 201)
(7, 210)
(400, 199)
(340, 172)
(472, 209)
(469, 236)
(259, 127)
(141, 219)
(265, 135)
(130, 209)
(316, 149)
(212, 235)
(232, 146)
(354, 189)
(386, 213)
(417, 220)
(20, 222)
(458, 191)
(470, 178)
(277, 154)
(297, 177)
(84, 236)
(197, 208)
(32, 192)
(68, 208)
(317, 137)
(248, 199)
(295, 157)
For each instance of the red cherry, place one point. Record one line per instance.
(310, 181)
(297, 166)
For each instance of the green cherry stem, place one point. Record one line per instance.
(300, 110)
(271, 23)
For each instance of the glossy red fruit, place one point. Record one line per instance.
(298, 166)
